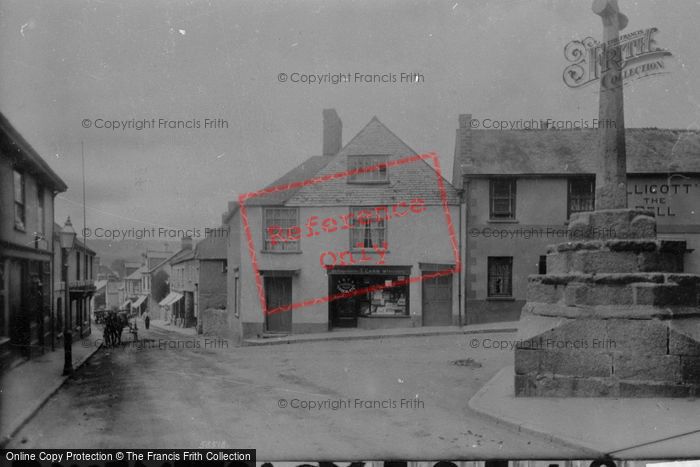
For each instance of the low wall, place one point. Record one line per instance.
(214, 322)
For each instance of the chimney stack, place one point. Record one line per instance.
(465, 137)
(462, 149)
(186, 243)
(332, 132)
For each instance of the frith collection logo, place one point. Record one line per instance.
(636, 54)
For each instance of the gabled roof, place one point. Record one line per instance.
(213, 247)
(169, 260)
(304, 171)
(406, 181)
(514, 152)
(136, 275)
(182, 256)
(23, 155)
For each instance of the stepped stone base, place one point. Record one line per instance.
(614, 317)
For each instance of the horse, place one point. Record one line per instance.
(114, 324)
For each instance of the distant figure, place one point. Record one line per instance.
(146, 319)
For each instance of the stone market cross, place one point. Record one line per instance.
(611, 175)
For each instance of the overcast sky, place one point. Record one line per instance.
(65, 61)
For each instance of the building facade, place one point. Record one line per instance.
(521, 186)
(82, 286)
(154, 282)
(198, 281)
(28, 187)
(366, 235)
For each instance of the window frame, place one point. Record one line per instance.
(41, 211)
(569, 195)
(20, 224)
(511, 198)
(369, 177)
(281, 247)
(491, 261)
(77, 264)
(363, 228)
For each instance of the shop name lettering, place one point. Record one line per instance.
(636, 55)
(367, 220)
(650, 196)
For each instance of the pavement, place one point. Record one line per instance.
(364, 334)
(164, 325)
(26, 387)
(629, 428)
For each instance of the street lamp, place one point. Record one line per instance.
(67, 239)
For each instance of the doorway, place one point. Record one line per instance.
(278, 292)
(437, 301)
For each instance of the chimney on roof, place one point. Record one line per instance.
(186, 243)
(462, 149)
(465, 136)
(332, 132)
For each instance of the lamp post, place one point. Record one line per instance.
(67, 238)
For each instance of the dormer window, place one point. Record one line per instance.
(375, 173)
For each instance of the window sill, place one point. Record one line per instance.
(273, 252)
(370, 250)
(502, 221)
(500, 299)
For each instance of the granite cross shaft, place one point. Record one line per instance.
(611, 171)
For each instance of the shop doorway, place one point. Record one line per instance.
(344, 312)
(437, 301)
(278, 292)
(372, 292)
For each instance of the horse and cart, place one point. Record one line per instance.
(114, 324)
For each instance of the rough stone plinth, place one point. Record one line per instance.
(613, 317)
(612, 224)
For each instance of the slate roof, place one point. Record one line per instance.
(136, 275)
(304, 171)
(211, 248)
(170, 259)
(181, 257)
(550, 152)
(23, 155)
(406, 181)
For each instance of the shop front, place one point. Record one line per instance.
(377, 297)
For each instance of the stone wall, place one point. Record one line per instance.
(214, 322)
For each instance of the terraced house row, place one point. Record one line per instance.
(40, 299)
